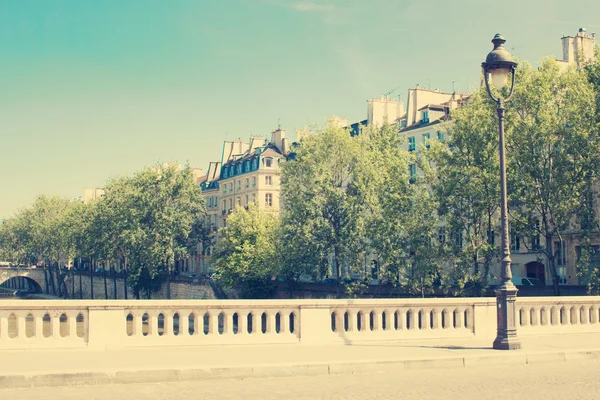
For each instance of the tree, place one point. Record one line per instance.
(247, 254)
(464, 180)
(147, 219)
(322, 218)
(552, 146)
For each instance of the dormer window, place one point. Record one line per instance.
(268, 162)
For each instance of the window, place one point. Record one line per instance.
(442, 235)
(440, 136)
(239, 184)
(515, 242)
(412, 172)
(426, 116)
(561, 253)
(412, 145)
(253, 181)
(268, 162)
(225, 223)
(268, 199)
(225, 171)
(246, 199)
(230, 187)
(239, 168)
(535, 239)
(426, 137)
(247, 182)
(230, 204)
(268, 180)
(459, 240)
(210, 201)
(239, 201)
(224, 205)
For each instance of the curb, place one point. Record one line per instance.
(286, 370)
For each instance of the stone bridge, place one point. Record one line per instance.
(28, 279)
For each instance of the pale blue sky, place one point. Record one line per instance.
(100, 88)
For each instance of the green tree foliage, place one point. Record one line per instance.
(322, 219)
(465, 181)
(146, 222)
(397, 210)
(246, 255)
(552, 145)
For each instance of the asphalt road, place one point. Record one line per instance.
(560, 381)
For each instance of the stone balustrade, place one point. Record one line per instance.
(113, 324)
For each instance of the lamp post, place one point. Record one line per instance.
(497, 66)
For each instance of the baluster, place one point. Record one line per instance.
(184, 323)
(271, 322)
(39, 325)
(72, 324)
(21, 326)
(213, 324)
(3, 327)
(283, 322)
(55, 323)
(241, 323)
(138, 323)
(153, 323)
(168, 322)
(378, 320)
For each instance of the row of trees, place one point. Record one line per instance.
(143, 224)
(349, 200)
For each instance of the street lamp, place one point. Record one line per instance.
(498, 66)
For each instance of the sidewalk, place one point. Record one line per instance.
(164, 364)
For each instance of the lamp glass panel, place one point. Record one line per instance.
(499, 77)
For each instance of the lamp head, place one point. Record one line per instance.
(499, 63)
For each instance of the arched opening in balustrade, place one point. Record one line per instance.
(161, 324)
(145, 326)
(553, 316)
(563, 316)
(129, 324)
(592, 315)
(532, 316)
(384, 315)
(80, 327)
(346, 321)
(543, 316)
(206, 328)
(468, 318)
(333, 322)
(445, 318)
(249, 323)
(46, 325)
(263, 322)
(176, 324)
(235, 321)
(278, 323)
(421, 319)
(583, 315)
(433, 320)
(29, 326)
(192, 324)
(396, 320)
(372, 320)
(456, 319)
(13, 328)
(64, 325)
(359, 321)
(221, 321)
(522, 317)
(409, 316)
(292, 324)
(573, 316)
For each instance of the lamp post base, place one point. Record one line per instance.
(506, 338)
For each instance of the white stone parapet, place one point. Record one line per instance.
(114, 324)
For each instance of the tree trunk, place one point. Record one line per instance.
(105, 285)
(114, 276)
(168, 283)
(92, 264)
(551, 259)
(46, 278)
(80, 283)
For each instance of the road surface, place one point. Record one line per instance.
(557, 380)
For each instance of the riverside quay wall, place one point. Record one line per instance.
(118, 324)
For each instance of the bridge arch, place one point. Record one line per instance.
(22, 283)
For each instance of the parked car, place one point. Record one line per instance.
(524, 281)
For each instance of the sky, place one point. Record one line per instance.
(96, 89)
